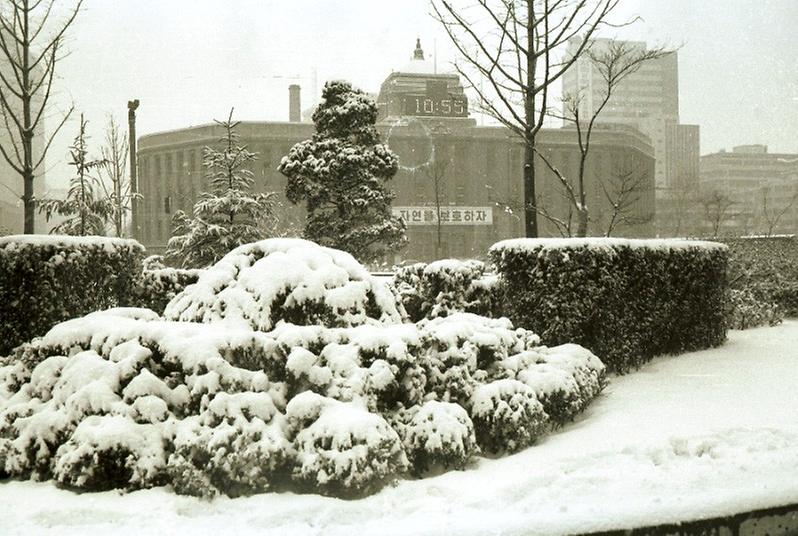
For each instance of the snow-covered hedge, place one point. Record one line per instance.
(446, 286)
(292, 280)
(125, 398)
(46, 279)
(626, 300)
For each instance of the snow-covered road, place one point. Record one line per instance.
(698, 435)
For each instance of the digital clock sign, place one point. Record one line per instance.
(435, 106)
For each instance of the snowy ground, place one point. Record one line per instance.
(699, 435)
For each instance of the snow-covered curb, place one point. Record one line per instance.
(700, 435)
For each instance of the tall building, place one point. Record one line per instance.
(647, 99)
(459, 186)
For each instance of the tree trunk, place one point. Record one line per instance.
(582, 219)
(530, 203)
(28, 200)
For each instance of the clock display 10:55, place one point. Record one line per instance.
(424, 105)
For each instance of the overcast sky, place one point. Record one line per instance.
(190, 61)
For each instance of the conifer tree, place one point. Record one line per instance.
(87, 209)
(340, 174)
(229, 214)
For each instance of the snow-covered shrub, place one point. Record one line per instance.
(342, 448)
(47, 279)
(406, 285)
(565, 378)
(444, 287)
(98, 405)
(507, 416)
(125, 398)
(746, 309)
(293, 280)
(437, 435)
(626, 300)
(235, 446)
(156, 287)
(111, 451)
(456, 347)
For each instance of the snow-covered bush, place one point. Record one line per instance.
(47, 279)
(156, 287)
(233, 399)
(110, 451)
(746, 309)
(437, 435)
(507, 416)
(342, 448)
(626, 300)
(235, 446)
(292, 280)
(565, 378)
(444, 287)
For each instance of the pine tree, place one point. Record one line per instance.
(229, 214)
(87, 208)
(341, 172)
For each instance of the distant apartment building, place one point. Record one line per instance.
(648, 100)
(761, 186)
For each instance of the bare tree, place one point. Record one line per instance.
(515, 46)
(623, 192)
(716, 207)
(773, 215)
(30, 46)
(614, 61)
(113, 173)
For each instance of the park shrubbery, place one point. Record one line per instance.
(47, 279)
(229, 396)
(625, 300)
(765, 269)
(446, 286)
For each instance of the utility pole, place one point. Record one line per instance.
(132, 106)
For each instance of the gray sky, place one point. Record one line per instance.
(189, 61)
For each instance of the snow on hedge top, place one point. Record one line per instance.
(543, 244)
(68, 241)
(295, 280)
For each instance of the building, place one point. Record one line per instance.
(761, 187)
(474, 173)
(647, 99)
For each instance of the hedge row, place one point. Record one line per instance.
(47, 279)
(766, 267)
(625, 300)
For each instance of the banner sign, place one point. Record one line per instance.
(428, 215)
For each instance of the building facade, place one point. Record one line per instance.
(761, 186)
(459, 186)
